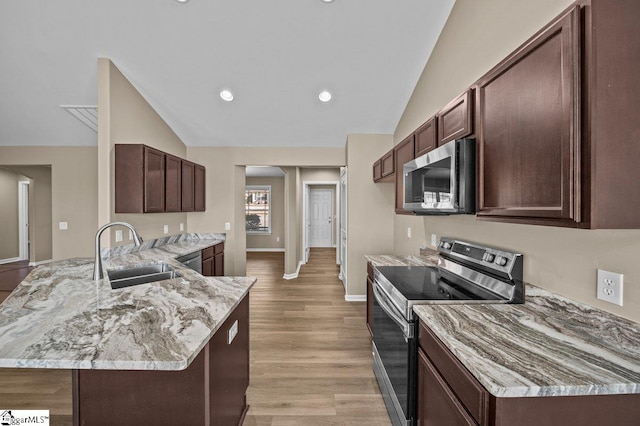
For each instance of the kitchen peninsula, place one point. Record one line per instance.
(173, 349)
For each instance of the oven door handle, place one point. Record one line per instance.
(382, 300)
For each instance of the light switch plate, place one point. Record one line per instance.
(118, 235)
(434, 240)
(130, 235)
(227, 226)
(182, 227)
(63, 226)
(166, 229)
(408, 232)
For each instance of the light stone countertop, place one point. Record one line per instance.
(549, 346)
(59, 317)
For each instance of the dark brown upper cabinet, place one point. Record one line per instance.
(529, 129)
(148, 180)
(384, 169)
(455, 120)
(404, 152)
(188, 192)
(173, 184)
(199, 188)
(426, 137)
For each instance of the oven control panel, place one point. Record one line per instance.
(488, 257)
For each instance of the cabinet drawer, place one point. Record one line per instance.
(470, 392)
(218, 248)
(207, 253)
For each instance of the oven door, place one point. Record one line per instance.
(395, 359)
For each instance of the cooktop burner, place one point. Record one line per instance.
(430, 283)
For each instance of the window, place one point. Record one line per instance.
(258, 209)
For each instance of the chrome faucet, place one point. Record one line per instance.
(97, 267)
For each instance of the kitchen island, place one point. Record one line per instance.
(149, 354)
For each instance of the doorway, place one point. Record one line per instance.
(23, 219)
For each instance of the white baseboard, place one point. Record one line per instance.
(355, 298)
(10, 260)
(41, 262)
(295, 274)
(254, 250)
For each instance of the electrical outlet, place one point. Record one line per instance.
(118, 235)
(130, 235)
(434, 240)
(232, 332)
(408, 232)
(181, 227)
(277, 239)
(166, 229)
(227, 226)
(610, 287)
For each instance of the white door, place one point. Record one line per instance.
(320, 217)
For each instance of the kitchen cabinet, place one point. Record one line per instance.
(199, 188)
(384, 169)
(187, 200)
(449, 394)
(404, 152)
(173, 184)
(370, 298)
(529, 128)
(426, 137)
(148, 180)
(213, 261)
(455, 120)
(556, 124)
(210, 391)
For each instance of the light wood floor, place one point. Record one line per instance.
(310, 354)
(310, 350)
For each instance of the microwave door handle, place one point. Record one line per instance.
(384, 304)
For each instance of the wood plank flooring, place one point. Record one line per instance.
(310, 354)
(310, 350)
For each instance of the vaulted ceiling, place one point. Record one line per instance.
(275, 56)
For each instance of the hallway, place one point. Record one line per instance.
(310, 349)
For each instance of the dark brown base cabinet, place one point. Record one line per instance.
(211, 391)
(370, 298)
(449, 395)
(213, 261)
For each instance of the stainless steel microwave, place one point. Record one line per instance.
(442, 181)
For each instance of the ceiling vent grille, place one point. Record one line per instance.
(87, 114)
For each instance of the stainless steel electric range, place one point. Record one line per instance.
(466, 273)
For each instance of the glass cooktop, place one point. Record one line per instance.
(432, 283)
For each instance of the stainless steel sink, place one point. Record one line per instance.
(153, 272)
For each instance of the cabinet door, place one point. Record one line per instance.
(528, 130)
(426, 137)
(218, 265)
(199, 188)
(404, 152)
(377, 170)
(173, 184)
(188, 198)
(153, 180)
(207, 267)
(437, 404)
(388, 164)
(456, 119)
(370, 306)
(229, 368)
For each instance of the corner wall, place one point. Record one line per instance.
(125, 117)
(370, 208)
(476, 37)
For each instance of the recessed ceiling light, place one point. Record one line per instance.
(226, 95)
(184, 1)
(328, 1)
(324, 96)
